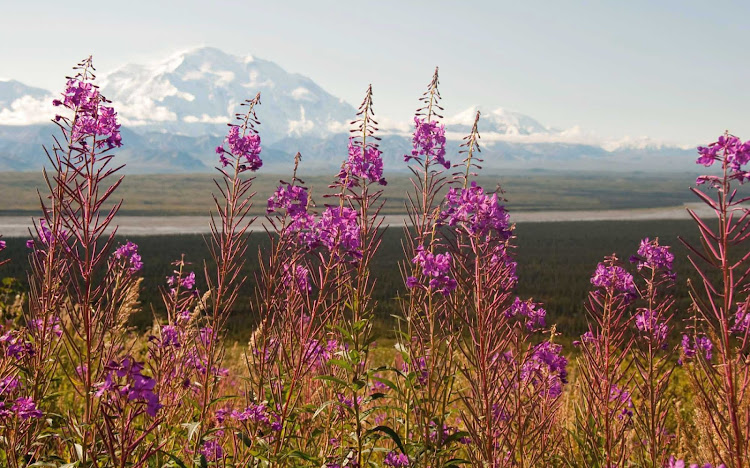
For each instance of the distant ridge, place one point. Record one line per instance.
(174, 113)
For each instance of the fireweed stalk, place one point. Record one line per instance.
(359, 204)
(93, 315)
(511, 388)
(427, 343)
(715, 350)
(603, 404)
(227, 246)
(652, 356)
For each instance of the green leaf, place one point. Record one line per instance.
(387, 383)
(301, 455)
(179, 462)
(341, 363)
(456, 462)
(330, 378)
(390, 433)
(323, 407)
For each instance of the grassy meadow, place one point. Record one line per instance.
(525, 191)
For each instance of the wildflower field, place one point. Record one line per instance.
(343, 362)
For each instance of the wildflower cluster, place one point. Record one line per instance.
(125, 379)
(654, 256)
(429, 142)
(92, 118)
(692, 347)
(243, 148)
(615, 279)
(365, 163)
(729, 150)
(475, 212)
(436, 267)
(293, 199)
(546, 369)
(532, 313)
(128, 253)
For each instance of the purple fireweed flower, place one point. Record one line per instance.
(396, 459)
(2, 245)
(318, 354)
(476, 212)
(292, 198)
(690, 348)
(587, 337)
(206, 335)
(52, 325)
(622, 396)
(8, 385)
(429, 141)
(419, 367)
(362, 164)
(297, 275)
(26, 408)
(45, 235)
(125, 378)
(212, 450)
(614, 278)
(5, 412)
(16, 346)
(547, 359)
(446, 432)
(736, 152)
(345, 402)
(245, 148)
(436, 267)
(170, 337)
(648, 323)
(337, 230)
(188, 281)
(530, 310)
(129, 253)
(654, 256)
(256, 413)
(379, 387)
(93, 118)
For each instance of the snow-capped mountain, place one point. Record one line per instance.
(498, 121)
(174, 112)
(199, 91)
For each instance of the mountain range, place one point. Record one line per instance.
(174, 114)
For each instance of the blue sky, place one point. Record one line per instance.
(676, 71)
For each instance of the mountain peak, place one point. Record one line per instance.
(198, 90)
(499, 120)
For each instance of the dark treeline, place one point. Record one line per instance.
(555, 263)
